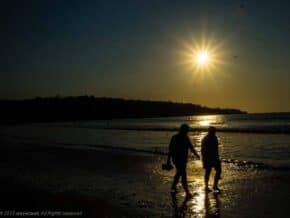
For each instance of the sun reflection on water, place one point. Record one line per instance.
(204, 122)
(203, 204)
(198, 206)
(208, 120)
(196, 139)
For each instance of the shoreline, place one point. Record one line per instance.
(111, 184)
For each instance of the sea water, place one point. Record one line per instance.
(259, 140)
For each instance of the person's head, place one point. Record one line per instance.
(211, 130)
(184, 128)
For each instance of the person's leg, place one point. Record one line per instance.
(206, 177)
(218, 171)
(184, 180)
(175, 180)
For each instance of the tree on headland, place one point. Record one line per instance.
(58, 108)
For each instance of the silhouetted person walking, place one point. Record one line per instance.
(210, 158)
(178, 151)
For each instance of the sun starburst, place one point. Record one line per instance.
(202, 56)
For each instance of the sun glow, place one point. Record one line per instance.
(203, 55)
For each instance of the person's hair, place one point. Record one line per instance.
(184, 128)
(211, 130)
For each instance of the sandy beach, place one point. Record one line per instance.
(110, 183)
(96, 96)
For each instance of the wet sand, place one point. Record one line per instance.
(108, 183)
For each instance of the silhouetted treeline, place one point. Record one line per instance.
(90, 108)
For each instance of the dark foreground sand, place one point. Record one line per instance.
(104, 183)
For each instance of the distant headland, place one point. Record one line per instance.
(50, 109)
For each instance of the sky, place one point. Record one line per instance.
(142, 49)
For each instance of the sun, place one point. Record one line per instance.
(202, 58)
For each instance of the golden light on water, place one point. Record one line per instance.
(208, 120)
(198, 206)
(205, 122)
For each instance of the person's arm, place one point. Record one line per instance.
(193, 150)
(217, 147)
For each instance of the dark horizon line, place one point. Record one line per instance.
(121, 98)
(133, 99)
(72, 108)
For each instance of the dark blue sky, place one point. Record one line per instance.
(132, 49)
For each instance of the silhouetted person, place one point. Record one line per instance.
(178, 151)
(210, 157)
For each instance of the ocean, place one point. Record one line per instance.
(246, 140)
(119, 162)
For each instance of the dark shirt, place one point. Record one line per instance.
(209, 150)
(178, 148)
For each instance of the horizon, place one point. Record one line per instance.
(148, 100)
(146, 51)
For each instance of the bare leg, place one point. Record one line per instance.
(217, 176)
(184, 181)
(175, 180)
(206, 177)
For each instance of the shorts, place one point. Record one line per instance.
(212, 164)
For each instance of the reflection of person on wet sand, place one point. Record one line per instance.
(178, 151)
(210, 158)
(211, 209)
(179, 211)
(212, 205)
